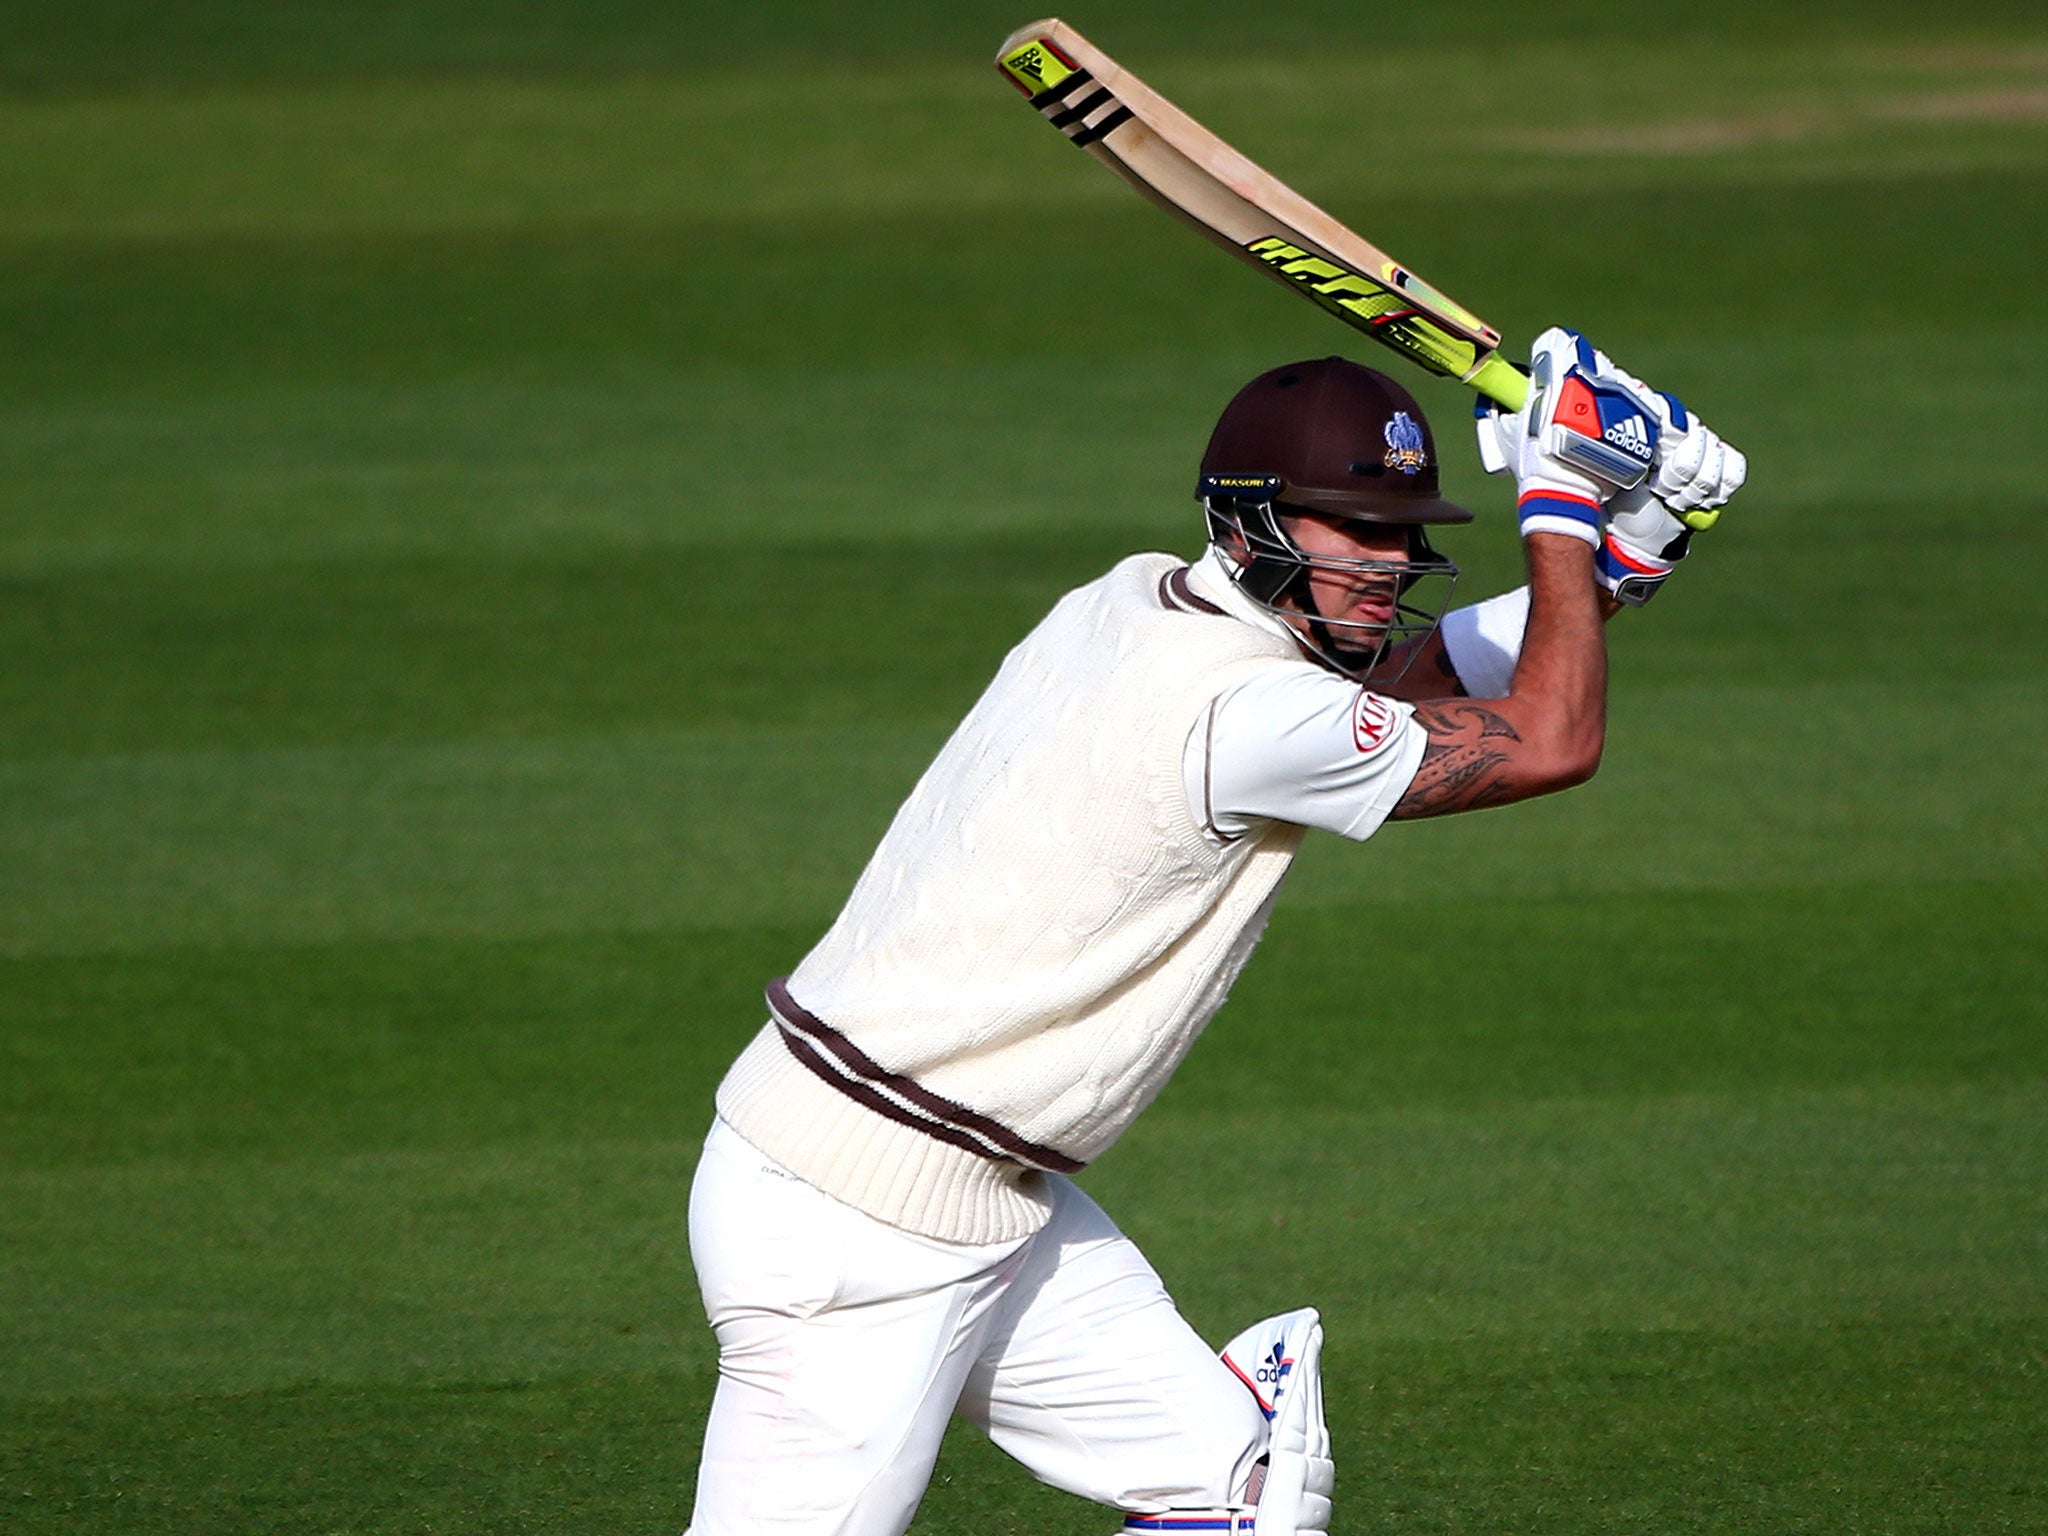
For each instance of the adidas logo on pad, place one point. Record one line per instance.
(1274, 1369)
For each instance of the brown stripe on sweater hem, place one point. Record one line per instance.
(1174, 592)
(870, 1098)
(903, 1099)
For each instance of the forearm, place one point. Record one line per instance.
(1559, 695)
(1547, 733)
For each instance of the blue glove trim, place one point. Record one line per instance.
(1579, 509)
(1614, 565)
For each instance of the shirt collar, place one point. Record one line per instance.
(1210, 578)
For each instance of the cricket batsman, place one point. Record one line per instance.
(884, 1221)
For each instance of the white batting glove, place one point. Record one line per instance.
(1650, 527)
(1584, 433)
(1643, 541)
(1696, 471)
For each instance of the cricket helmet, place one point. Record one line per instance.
(1331, 439)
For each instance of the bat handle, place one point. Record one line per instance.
(1500, 381)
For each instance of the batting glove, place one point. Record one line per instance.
(1643, 541)
(1649, 528)
(1584, 433)
(1696, 471)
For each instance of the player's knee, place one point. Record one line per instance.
(1219, 1441)
(1242, 1433)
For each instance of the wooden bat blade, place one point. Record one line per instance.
(1183, 167)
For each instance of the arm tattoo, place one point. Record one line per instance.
(1462, 765)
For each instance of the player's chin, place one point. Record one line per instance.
(1358, 640)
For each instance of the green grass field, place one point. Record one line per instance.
(500, 500)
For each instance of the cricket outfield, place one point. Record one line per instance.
(500, 501)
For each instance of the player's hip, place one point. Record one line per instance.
(763, 1239)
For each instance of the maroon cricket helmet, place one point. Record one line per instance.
(1329, 436)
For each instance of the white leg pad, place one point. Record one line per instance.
(1281, 1361)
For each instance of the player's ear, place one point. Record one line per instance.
(1227, 534)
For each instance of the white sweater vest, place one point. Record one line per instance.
(1038, 940)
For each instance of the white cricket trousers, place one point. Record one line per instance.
(845, 1344)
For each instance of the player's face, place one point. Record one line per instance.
(1365, 598)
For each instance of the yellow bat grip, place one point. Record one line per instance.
(1500, 381)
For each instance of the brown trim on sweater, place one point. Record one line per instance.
(1175, 593)
(869, 1098)
(902, 1099)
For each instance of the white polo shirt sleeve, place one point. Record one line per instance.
(1484, 643)
(1298, 744)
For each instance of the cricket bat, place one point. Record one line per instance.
(1187, 170)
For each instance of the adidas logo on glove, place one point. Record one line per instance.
(1601, 430)
(1631, 436)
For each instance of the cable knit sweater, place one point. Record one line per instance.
(1041, 935)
